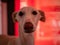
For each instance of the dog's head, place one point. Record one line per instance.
(28, 18)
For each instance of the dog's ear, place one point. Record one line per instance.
(14, 17)
(42, 18)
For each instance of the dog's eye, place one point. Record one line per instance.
(34, 13)
(21, 13)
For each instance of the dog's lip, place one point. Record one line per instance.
(28, 27)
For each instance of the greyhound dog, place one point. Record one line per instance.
(27, 17)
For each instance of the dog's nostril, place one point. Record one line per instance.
(28, 27)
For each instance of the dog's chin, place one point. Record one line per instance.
(28, 27)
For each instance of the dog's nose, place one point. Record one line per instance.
(28, 27)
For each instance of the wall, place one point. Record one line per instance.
(0, 19)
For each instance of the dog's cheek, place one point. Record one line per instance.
(18, 19)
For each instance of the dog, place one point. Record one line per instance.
(27, 17)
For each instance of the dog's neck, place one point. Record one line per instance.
(26, 38)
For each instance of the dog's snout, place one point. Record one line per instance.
(28, 20)
(28, 27)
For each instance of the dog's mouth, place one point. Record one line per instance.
(28, 27)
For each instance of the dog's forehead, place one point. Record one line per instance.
(27, 9)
